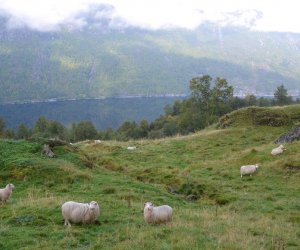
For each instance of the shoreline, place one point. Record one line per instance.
(55, 100)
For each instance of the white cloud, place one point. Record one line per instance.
(47, 15)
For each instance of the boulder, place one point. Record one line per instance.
(47, 151)
(291, 136)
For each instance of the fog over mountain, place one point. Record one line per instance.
(46, 15)
(94, 48)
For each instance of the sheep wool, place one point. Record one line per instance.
(77, 212)
(6, 192)
(279, 150)
(248, 169)
(157, 215)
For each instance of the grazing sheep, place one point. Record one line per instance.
(76, 212)
(279, 150)
(248, 169)
(97, 141)
(156, 215)
(131, 148)
(5, 193)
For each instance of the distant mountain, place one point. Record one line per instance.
(97, 60)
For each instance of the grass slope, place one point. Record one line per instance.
(198, 175)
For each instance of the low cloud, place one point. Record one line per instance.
(51, 15)
(246, 18)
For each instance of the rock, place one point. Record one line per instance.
(53, 142)
(293, 135)
(47, 151)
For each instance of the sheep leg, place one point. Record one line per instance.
(67, 223)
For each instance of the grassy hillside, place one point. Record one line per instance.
(97, 62)
(198, 175)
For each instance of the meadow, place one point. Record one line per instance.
(198, 175)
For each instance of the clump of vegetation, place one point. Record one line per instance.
(109, 190)
(256, 116)
(192, 191)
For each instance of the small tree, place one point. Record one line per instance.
(144, 126)
(200, 90)
(107, 134)
(41, 126)
(281, 96)
(251, 100)
(85, 130)
(2, 127)
(222, 97)
(56, 129)
(23, 132)
(10, 134)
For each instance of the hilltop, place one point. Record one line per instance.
(198, 175)
(274, 117)
(99, 61)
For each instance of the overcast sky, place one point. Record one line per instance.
(45, 15)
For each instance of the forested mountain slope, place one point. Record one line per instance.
(101, 61)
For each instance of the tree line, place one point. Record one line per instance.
(209, 100)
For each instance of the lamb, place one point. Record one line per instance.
(76, 212)
(279, 150)
(6, 192)
(248, 169)
(156, 215)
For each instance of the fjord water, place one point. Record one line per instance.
(104, 113)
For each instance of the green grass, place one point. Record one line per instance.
(198, 175)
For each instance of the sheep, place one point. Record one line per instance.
(248, 169)
(97, 141)
(6, 192)
(279, 150)
(76, 212)
(131, 148)
(156, 215)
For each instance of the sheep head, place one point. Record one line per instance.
(148, 206)
(10, 186)
(93, 205)
(282, 147)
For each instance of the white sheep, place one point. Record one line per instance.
(156, 215)
(279, 150)
(6, 192)
(131, 148)
(248, 169)
(76, 212)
